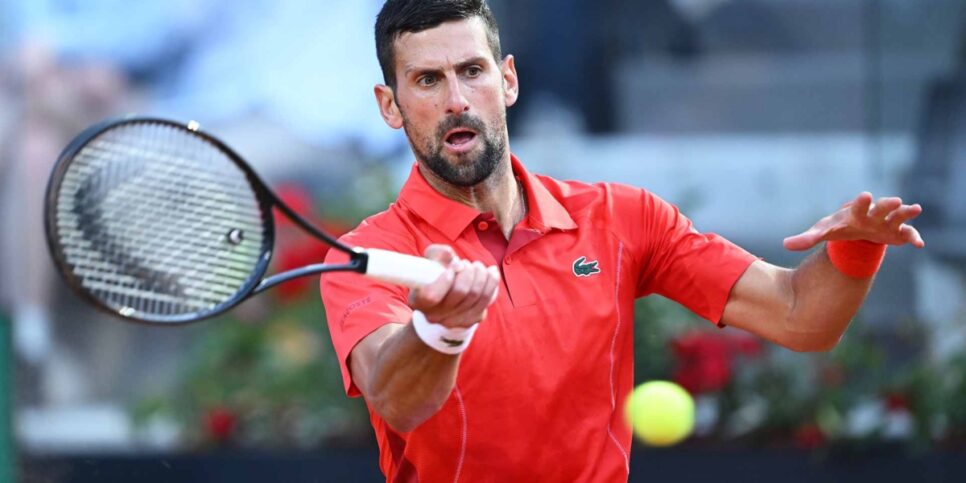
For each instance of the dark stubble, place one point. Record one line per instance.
(472, 168)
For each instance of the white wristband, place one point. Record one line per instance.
(441, 338)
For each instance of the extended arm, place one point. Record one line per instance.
(808, 308)
(404, 380)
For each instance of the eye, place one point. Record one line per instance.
(426, 80)
(474, 71)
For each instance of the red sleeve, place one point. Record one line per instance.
(696, 270)
(356, 305)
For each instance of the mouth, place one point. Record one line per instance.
(460, 140)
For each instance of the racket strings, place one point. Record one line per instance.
(143, 216)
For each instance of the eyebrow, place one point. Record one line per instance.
(478, 60)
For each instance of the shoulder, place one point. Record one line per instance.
(389, 229)
(598, 198)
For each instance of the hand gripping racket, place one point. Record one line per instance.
(159, 222)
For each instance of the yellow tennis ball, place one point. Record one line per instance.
(661, 413)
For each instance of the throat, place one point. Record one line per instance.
(517, 210)
(501, 194)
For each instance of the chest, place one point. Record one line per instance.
(566, 301)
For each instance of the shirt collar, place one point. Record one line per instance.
(451, 217)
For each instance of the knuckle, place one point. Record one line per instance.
(437, 292)
(439, 252)
(428, 299)
(460, 290)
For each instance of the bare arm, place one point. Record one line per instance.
(809, 308)
(404, 380)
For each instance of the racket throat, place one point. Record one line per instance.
(355, 264)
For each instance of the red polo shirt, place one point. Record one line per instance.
(539, 393)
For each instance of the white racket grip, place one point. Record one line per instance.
(405, 270)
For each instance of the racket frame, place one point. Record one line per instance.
(266, 198)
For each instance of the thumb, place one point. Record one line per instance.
(433, 293)
(443, 254)
(802, 241)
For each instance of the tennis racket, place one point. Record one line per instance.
(157, 221)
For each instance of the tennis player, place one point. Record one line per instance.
(513, 364)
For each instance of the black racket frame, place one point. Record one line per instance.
(267, 199)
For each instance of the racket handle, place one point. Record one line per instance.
(405, 270)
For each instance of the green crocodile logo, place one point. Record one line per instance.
(583, 268)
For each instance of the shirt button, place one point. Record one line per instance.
(507, 260)
(482, 226)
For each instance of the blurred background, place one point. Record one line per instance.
(756, 117)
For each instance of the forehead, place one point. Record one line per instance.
(443, 45)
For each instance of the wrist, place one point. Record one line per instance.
(448, 340)
(856, 258)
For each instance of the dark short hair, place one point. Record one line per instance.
(408, 16)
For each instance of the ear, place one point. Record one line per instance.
(386, 100)
(511, 83)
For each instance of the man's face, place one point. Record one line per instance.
(452, 97)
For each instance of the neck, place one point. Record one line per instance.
(499, 194)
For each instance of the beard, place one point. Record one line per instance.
(469, 169)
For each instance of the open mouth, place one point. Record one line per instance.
(459, 138)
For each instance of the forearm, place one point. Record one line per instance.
(408, 381)
(824, 301)
(406, 376)
(809, 308)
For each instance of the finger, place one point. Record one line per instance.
(492, 288)
(487, 296)
(443, 254)
(803, 241)
(860, 208)
(476, 291)
(430, 295)
(912, 236)
(489, 280)
(494, 274)
(462, 287)
(883, 207)
(902, 214)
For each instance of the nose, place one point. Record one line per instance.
(456, 102)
